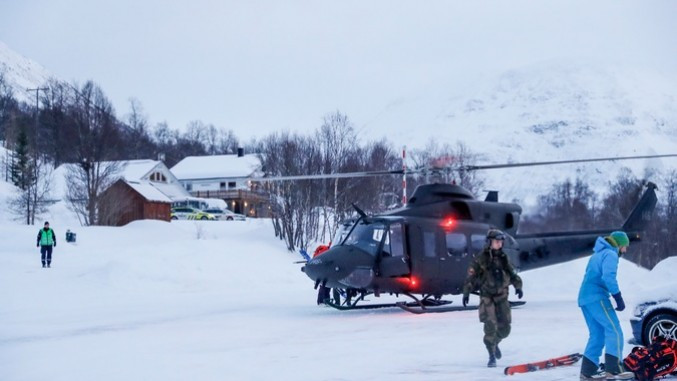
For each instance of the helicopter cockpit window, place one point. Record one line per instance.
(341, 233)
(457, 244)
(394, 244)
(366, 237)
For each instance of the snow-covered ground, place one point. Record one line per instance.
(151, 301)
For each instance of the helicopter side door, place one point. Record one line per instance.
(454, 262)
(426, 253)
(394, 260)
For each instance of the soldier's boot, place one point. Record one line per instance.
(48, 264)
(43, 264)
(590, 371)
(492, 359)
(615, 370)
(497, 353)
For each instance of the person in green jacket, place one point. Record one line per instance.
(491, 272)
(46, 241)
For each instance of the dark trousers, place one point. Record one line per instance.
(322, 294)
(46, 252)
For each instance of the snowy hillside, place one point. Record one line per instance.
(21, 73)
(549, 111)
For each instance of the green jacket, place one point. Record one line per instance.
(491, 273)
(46, 238)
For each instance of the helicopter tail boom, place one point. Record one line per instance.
(544, 249)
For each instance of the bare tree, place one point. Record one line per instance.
(227, 142)
(444, 163)
(336, 140)
(96, 144)
(34, 189)
(85, 183)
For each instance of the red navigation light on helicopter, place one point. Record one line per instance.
(448, 223)
(413, 281)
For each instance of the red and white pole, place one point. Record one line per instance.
(404, 175)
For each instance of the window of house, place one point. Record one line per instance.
(222, 185)
(189, 186)
(158, 177)
(231, 184)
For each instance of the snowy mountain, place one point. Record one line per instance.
(21, 73)
(549, 111)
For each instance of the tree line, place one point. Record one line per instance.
(573, 205)
(77, 125)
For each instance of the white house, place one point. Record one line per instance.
(216, 172)
(225, 177)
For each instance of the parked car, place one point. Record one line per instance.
(225, 214)
(186, 213)
(656, 313)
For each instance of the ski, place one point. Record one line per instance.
(547, 364)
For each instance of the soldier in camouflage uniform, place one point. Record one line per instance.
(492, 273)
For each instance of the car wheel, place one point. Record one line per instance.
(660, 325)
(175, 218)
(229, 218)
(203, 218)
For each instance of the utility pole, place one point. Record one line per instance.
(30, 217)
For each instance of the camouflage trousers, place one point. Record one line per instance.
(495, 314)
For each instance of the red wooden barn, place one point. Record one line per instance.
(127, 201)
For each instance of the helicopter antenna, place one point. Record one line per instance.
(360, 211)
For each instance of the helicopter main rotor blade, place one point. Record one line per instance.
(331, 175)
(536, 163)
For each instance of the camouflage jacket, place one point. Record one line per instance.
(491, 273)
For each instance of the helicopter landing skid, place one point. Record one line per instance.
(360, 307)
(418, 309)
(426, 302)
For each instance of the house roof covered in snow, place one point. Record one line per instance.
(130, 170)
(216, 167)
(148, 191)
(133, 170)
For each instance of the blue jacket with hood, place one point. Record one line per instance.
(600, 275)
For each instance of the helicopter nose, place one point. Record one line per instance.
(334, 266)
(318, 268)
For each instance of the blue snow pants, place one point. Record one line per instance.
(605, 330)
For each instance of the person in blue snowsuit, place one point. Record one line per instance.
(605, 331)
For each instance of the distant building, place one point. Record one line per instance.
(145, 190)
(156, 173)
(225, 177)
(127, 201)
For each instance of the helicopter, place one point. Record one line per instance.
(422, 250)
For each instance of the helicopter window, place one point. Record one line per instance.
(478, 241)
(366, 237)
(457, 243)
(394, 245)
(429, 243)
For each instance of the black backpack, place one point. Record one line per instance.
(657, 360)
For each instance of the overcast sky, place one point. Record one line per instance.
(261, 66)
